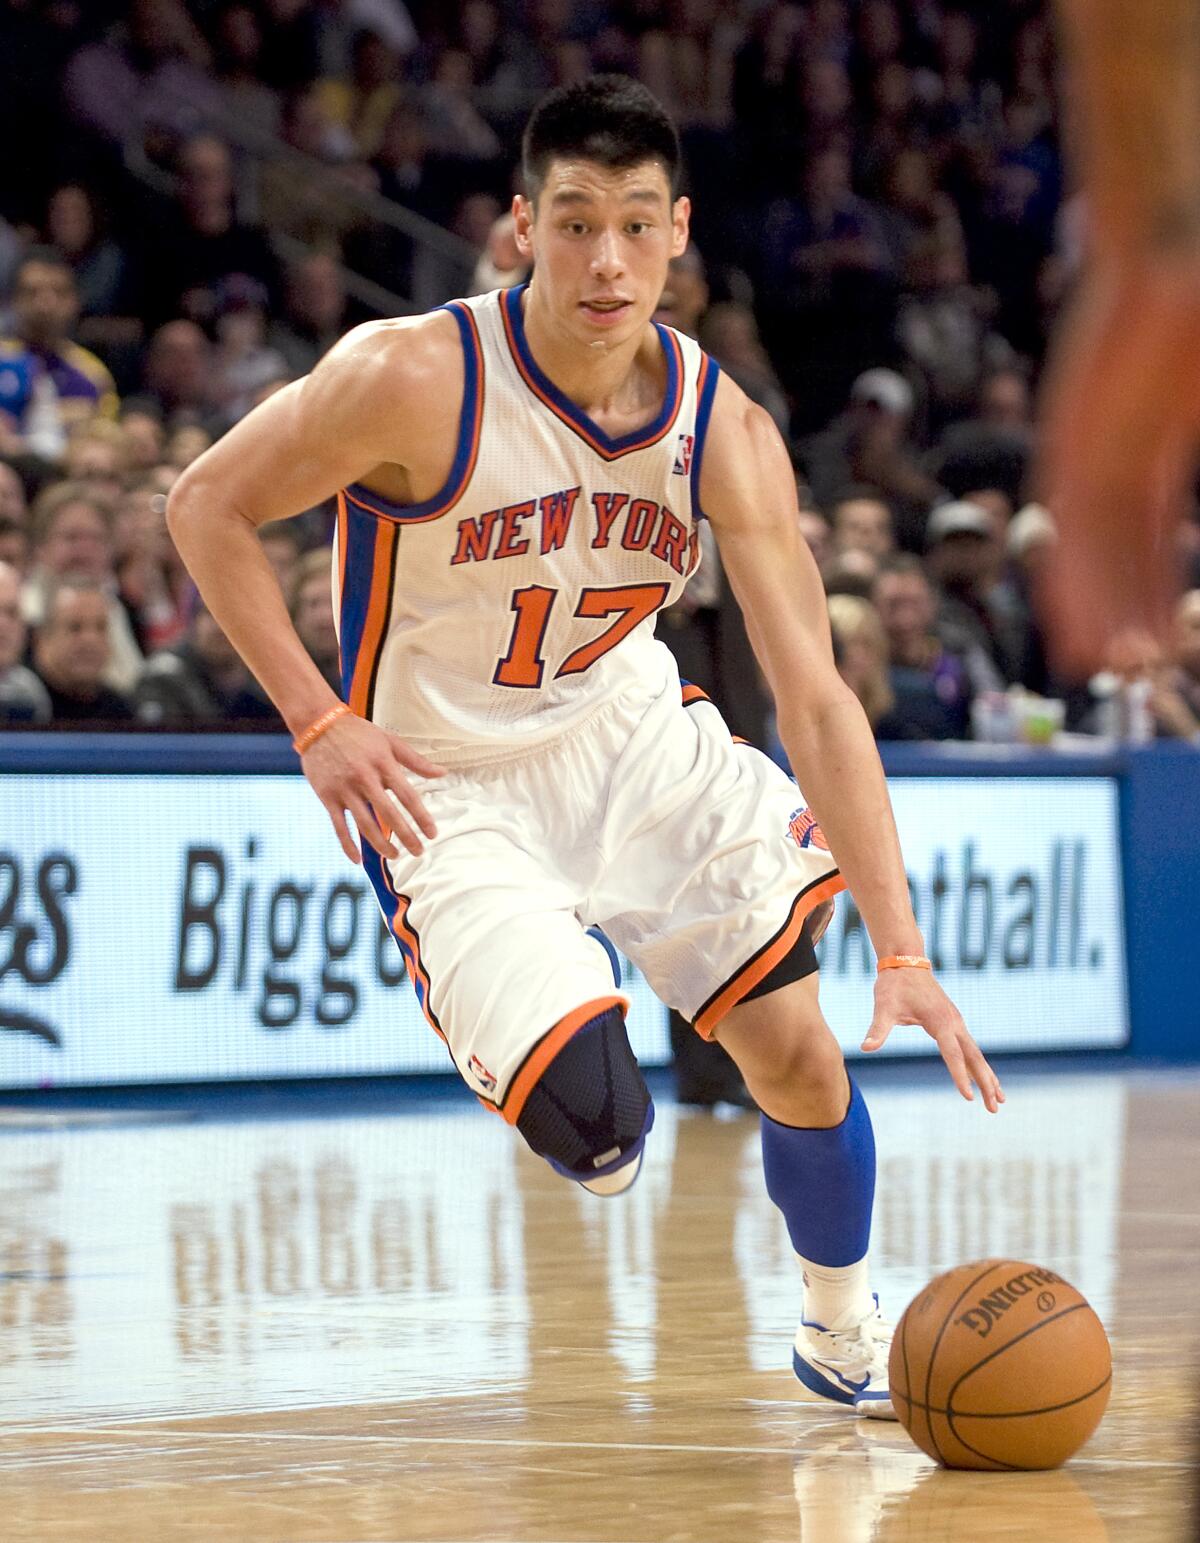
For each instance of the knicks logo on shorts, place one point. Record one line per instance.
(481, 1074)
(683, 455)
(804, 830)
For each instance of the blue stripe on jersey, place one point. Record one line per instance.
(710, 371)
(469, 423)
(360, 532)
(591, 431)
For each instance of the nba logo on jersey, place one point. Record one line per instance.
(804, 830)
(683, 455)
(481, 1074)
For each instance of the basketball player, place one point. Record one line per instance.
(520, 480)
(1122, 412)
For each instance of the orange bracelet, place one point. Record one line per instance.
(309, 736)
(905, 962)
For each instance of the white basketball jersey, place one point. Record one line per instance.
(521, 597)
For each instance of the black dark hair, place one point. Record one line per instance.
(609, 119)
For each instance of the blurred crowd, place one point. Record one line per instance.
(198, 199)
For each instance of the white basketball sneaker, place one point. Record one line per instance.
(848, 1366)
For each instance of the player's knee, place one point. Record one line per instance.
(590, 1111)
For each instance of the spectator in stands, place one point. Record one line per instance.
(149, 575)
(72, 535)
(23, 698)
(1176, 701)
(14, 544)
(96, 457)
(243, 361)
(312, 613)
(362, 101)
(315, 314)
(49, 384)
(809, 243)
(945, 329)
(500, 264)
(729, 332)
(146, 80)
(238, 39)
(861, 651)
(75, 229)
(72, 653)
(142, 427)
(189, 439)
(992, 448)
(200, 682)
(870, 443)
(818, 537)
(684, 301)
(202, 244)
(977, 615)
(177, 368)
(914, 208)
(456, 128)
(851, 572)
(862, 521)
(931, 685)
(13, 504)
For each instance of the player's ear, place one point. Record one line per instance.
(681, 214)
(522, 212)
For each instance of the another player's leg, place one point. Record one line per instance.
(819, 1164)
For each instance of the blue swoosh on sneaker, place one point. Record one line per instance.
(854, 1387)
(817, 1382)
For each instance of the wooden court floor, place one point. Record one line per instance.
(399, 1326)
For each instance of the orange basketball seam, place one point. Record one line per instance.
(966, 1291)
(1010, 1414)
(992, 1355)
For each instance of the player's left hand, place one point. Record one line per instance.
(914, 997)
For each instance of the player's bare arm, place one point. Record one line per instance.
(381, 408)
(1120, 421)
(748, 493)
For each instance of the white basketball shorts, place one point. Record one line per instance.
(692, 851)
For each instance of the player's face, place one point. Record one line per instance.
(601, 240)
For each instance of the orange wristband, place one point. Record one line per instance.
(309, 736)
(905, 962)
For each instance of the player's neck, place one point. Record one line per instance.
(597, 379)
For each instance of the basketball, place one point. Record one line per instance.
(1000, 1365)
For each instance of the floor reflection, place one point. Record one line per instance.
(405, 1326)
(218, 1265)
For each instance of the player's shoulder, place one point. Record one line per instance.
(740, 432)
(402, 357)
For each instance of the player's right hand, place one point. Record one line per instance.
(358, 768)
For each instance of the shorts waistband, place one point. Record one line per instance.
(508, 755)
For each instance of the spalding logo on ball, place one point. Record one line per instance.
(1000, 1365)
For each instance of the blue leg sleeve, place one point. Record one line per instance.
(824, 1183)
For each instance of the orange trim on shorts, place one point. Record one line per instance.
(375, 626)
(416, 968)
(763, 963)
(694, 694)
(546, 1049)
(343, 543)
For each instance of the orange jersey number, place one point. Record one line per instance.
(523, 665)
